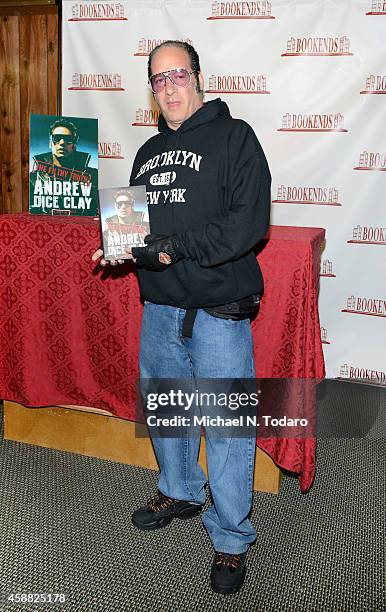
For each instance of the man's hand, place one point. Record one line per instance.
(104, 262)
(160, 252)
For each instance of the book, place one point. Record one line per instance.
(63, 168)
(124, 218)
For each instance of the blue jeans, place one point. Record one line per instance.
(218, 348)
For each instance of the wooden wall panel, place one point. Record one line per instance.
(52, 64)
(29, 84)
(33, 82)
(11, 185)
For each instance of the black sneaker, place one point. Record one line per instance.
(161, 510)
(228, 572)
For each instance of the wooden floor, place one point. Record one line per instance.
(97, 433)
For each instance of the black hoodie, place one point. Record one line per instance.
(209, 183)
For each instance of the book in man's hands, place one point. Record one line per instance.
(124, 220)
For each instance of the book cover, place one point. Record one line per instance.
(63, 168)
(124, 219)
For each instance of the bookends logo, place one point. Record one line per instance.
(98, 11)
(326, 269)
(238, 84)
(260, 9)
(365, 306)
(378, 7)
(312, 123)
(146, 45)
(110, 150)
(87, 81)
(371, 161)
(320, 196)
(326, 45)
(375, 84)
(363, 234)
(359, 374)
(146, 117)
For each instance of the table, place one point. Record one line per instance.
(69, 330)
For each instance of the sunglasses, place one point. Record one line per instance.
(178, 76)
(56, 138)
(125, 203)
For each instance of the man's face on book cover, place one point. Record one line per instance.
(124, 206)
(62, 143)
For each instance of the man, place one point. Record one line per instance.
(63, 141)
(200, 281)
(124, 206)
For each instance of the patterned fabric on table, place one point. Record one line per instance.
(69, 330)
(287, 334)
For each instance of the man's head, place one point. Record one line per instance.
(63, 138)
(124, 204)
(177, 103)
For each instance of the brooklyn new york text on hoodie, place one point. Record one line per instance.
(209, 183)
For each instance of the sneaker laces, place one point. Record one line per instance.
(227, 560)
(160, 502)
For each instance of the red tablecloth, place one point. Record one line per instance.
(69, 331)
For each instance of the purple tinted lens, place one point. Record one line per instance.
(157, 82)
(181, 78)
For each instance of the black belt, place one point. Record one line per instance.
(243, 309)
(187, 326)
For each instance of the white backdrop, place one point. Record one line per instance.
(309, 77)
